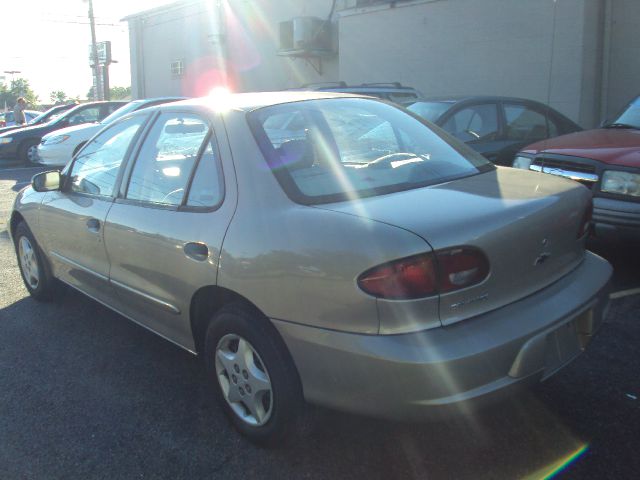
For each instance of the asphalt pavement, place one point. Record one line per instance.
(86, 394)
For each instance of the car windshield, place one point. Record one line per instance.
(429, 110)
(121, 112)
(338, 149)
(39, 118)
(631, 116)
(48, 116)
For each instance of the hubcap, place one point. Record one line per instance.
(28, 262)
(32, 153)
(244, 380)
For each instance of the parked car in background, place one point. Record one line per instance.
(44, 117)
(57, 147)
(362, 267)
(607, 161)
(22, 144)
(394, 91)
(9, 118)
(496, 127)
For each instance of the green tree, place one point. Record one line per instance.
(4, 95)
(120, 93)
(58, 96)
(19, 88)
(115, 93)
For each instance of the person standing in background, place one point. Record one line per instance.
(18, 111)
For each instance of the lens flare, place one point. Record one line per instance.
(554, 469)
(219, 92)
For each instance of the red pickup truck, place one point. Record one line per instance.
(607, 161)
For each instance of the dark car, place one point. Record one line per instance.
(607, 161)
(496, 127)
(43, 118)
(394, 91)
(23, 143)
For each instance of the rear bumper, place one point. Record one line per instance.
(455, 368)
(616, 219)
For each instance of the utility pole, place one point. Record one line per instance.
(94, 53)
(12, 73)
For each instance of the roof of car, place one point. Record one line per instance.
(253, 101)
(469, 98)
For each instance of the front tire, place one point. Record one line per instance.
(33, 267)
(253, 375)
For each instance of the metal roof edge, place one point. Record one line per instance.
(158, 10)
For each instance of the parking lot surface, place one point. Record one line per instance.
(84, 393)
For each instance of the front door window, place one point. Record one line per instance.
(95, 169)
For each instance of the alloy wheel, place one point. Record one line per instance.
(32, 154)
(28, 262)
(244, 380)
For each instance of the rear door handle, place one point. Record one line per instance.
(196, 250)
(93, 225)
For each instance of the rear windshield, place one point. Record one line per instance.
(338, 149)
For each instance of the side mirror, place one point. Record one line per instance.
(46, 181)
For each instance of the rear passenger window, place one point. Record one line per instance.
(525, 124)
(477, 122)
(207, 187)
(163, 167)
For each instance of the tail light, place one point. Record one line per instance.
(426, 274)
(585, 223)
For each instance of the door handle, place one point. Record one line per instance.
(93, 225)
(196, 250)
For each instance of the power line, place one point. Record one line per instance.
(120, 25)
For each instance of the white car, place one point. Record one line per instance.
(59, 146)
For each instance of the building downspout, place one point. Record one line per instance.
(606, 59)
(142, 84)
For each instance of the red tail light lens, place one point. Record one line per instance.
(585, 223)
(425, 275)
(412, 277)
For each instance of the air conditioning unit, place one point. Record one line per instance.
(306, 34)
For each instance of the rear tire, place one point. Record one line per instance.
(253, 376)
(34, 269)
(28, 153)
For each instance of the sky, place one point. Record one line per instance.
(48, 42)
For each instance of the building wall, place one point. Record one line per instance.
(622, 61)
(270, 71)
(579, 56)
(186, 33)
(528, 48)
(241, 50)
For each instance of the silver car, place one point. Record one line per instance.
(369, 263)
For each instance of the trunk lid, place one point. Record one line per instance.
(526, 223)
